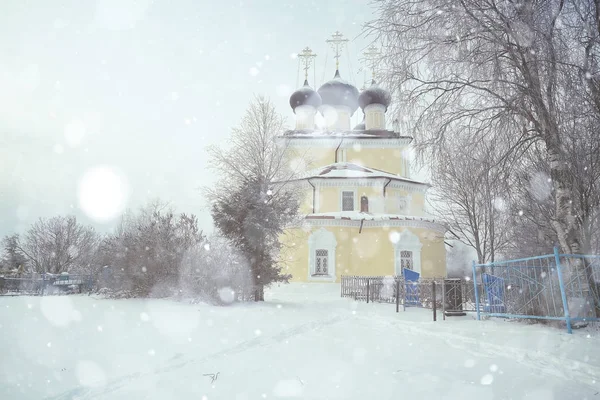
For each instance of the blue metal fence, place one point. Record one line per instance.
(562, 287)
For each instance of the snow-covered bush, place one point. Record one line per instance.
(214, 271)
(145, 254)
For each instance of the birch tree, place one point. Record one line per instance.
(496, 67)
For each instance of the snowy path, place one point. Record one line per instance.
(304, 342)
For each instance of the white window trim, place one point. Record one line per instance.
(322, 239)
(410, 242)
(342, 190)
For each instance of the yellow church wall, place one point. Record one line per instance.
(374, 195)
(388, 160)
(302, 159)
(329, 198)
(306, 205)
(370, 253)
(392, 205)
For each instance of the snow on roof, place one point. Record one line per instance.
(372, 134)
(358, 216)
(351, 170)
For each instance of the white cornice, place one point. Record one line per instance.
(369, 182)
(410, 223)
(361, 182)
(333, 142)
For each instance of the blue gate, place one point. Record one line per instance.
(411, 279)
(561, 287)
(494, 293)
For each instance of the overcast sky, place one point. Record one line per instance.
(126, 95)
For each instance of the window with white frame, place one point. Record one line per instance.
(321, 262)
(407, 252)
(321, 255)
(347, 200)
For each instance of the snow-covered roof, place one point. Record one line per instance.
(358, 216)
(343, 170)
(316, 133)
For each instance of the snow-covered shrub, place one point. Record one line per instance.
(213, 271)
(145, 253)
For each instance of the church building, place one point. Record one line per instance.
(362, 213)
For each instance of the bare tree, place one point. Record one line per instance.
(147, 249)
(59, 244)
(252, 153)
(497, 67)
(470, 196)
(255, 199)
(12, 257)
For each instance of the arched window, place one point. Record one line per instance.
(407, 252)
(321, 255)
(364, 204)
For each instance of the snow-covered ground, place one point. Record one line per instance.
(304, 342)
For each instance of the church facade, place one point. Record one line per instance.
(362, 213)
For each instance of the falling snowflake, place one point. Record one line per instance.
(487, 379)
(102, 193)
(74, 133)
(394, 237)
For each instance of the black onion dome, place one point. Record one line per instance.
(305, 96)
(374, 95)
(338, 92)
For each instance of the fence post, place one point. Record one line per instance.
(434, 301)
(563, 293)
(444, 299)
(368, 280)
(476, 292)
(397, 295)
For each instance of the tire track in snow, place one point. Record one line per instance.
(545, 363)
(260, 341)
(81, 393)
